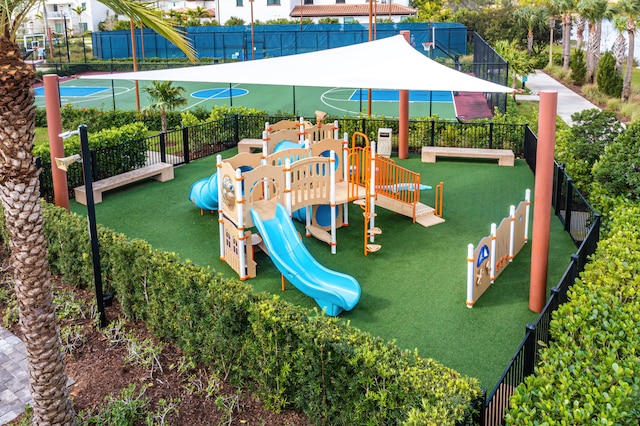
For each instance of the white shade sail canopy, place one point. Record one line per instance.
(389, 63)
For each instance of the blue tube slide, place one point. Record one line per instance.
(204, 193)
(333, 291)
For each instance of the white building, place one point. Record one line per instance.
(346, 11)
(61, 13)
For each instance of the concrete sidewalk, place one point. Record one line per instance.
(569, 102)
(14, 380)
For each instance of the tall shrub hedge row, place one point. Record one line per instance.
(294, 357)
(590, 373)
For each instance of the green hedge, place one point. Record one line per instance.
(295, 358)
(590, 373)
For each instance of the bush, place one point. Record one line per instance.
(578, 67)
(581, 145)
(258, 340)
(608, 77)
(618, 170)
(590, 373)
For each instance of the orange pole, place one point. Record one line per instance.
(403, 122)
(56, 145)
(542, 200)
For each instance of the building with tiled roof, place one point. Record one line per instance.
(353, 12)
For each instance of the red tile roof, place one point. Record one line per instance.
(317, 11)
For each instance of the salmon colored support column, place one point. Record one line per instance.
(56, 146)
(403, 122)
(542, 200)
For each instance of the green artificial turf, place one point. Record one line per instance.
(413, 289)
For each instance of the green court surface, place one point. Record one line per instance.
(340, 102)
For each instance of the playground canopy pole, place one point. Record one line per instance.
(403, 122)
(56, 146)
(542, 200)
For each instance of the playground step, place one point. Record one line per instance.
(372, 248)
(359, 202)
(375, 231)
(369, 215)
(429, 219)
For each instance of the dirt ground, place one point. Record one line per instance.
(98, 369)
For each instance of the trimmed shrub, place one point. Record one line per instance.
(590, 373)
(250, 339)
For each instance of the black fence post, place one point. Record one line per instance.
(163, 147)
(576, 266)
(95, 172)
(185, 144)
(433, 133)
(559, 183)
(567, 206)
(529, 350)
(491, 135)
(236, 129)
(363, 125)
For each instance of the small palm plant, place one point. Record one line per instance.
(165, 97)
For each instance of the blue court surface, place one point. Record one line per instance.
(73, 91)
(219, 93)
(394, 95)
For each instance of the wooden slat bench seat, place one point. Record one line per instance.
(160, 171)
(505, 157)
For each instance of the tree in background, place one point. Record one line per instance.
(532, 18)
(20, 194)
(578, 67)
(79, 10)
(566, 8)
(594, 11)
(608, 77)
(631, 10)
(519, 61)
(165, 97)
(619, 48)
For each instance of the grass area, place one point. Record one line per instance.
(413, 290)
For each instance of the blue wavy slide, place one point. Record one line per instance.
(333, 291)
(204, 193)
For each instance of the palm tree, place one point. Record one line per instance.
(581, 25)
(631, 10)
(566, 7)
(532, 17)
(594, 11)
(20, 195)
(79, 10)
(165, 97)
(519, 61)
(619, 48)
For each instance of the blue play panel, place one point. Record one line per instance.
(219, 93)
(394, 95)
(72, 91)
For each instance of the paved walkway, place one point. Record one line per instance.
(14, 381)
(569, 102)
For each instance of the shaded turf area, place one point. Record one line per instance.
(413, 289)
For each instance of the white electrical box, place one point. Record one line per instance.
(384, 141)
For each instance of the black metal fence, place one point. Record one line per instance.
(489, 65)
(583, 224)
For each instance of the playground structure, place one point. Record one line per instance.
(487, 260)
(313, 182)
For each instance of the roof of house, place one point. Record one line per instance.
(317, 11)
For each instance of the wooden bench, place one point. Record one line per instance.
(161, 172)
(250, 145)
(505, 157)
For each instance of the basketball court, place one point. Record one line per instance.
(121, 94)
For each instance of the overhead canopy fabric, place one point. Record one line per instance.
(389, 63)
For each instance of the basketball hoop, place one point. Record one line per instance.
(427, 46)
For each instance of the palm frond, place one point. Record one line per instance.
(151, 18)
